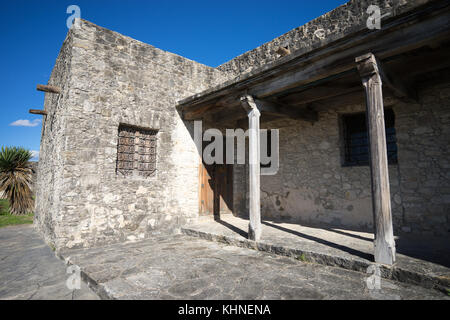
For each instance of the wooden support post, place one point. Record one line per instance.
(50, 89)
(36, 111)
(254, 228)
(384, 243)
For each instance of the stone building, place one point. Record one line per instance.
(118, 160)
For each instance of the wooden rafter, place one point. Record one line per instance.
(49, 89)
(37, 111)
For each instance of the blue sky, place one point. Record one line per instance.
(211, 32)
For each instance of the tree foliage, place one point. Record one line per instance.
(15, 179)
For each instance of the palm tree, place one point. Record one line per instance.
(15, 179)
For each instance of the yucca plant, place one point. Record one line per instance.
(15, 179)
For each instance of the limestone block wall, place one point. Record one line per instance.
(49, 179)
(115, 80)
(333, 26)
(423, 134)
(313, 187)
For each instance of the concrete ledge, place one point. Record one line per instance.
(430, 281)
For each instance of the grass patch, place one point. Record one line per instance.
(7, 219)
(302, 258)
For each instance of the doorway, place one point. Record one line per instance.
(216, 189)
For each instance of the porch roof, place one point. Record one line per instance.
(412, 45)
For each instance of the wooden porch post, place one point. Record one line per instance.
(370, 72)
(254, 228)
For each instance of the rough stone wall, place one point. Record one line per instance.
(50, 167)
(313, 187)
(335, 25)
(423, 134)
(108, 79)
(34, 167)
(116, 80)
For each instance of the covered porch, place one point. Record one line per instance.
(374, 68)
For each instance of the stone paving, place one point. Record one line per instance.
(178, 267)
(420, 260)
(29, 269)
(184, 267)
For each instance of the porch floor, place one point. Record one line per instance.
(421, 260)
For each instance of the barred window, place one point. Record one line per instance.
(356, 141)
(136, 151)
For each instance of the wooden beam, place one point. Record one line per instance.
(272, 108)
(216, 106)
(36, 111)
(398, 87)
(243, 123)
(317, 94)
(228, 115)
(50, 89)
(384, 243)
(397, 36)
(393, 42)
(197, 113)
(254, 227)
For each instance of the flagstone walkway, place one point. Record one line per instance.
(29, 269)
(184, 267)
(179, 267)
(422, 260)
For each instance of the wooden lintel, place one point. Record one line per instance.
(46, 88)
(227, 116)
(210, 108)
(271, 108)
(398, 87)
(368, 65)
(197, 113)
(37, 111)
(398, 37)
(318, 93)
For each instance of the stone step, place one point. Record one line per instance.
(401, 274)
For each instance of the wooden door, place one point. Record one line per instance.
(216, 189)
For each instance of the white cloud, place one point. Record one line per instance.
(26, 123)
(35, 155)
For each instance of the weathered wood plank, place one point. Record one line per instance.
(317, 94)
(398, 87)
(37, 111)
(197, 113)
(396, 37)
(393, 43)
(272, 108)
(381, 200)
(49, 89)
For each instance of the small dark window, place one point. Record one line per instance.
(357, 142)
